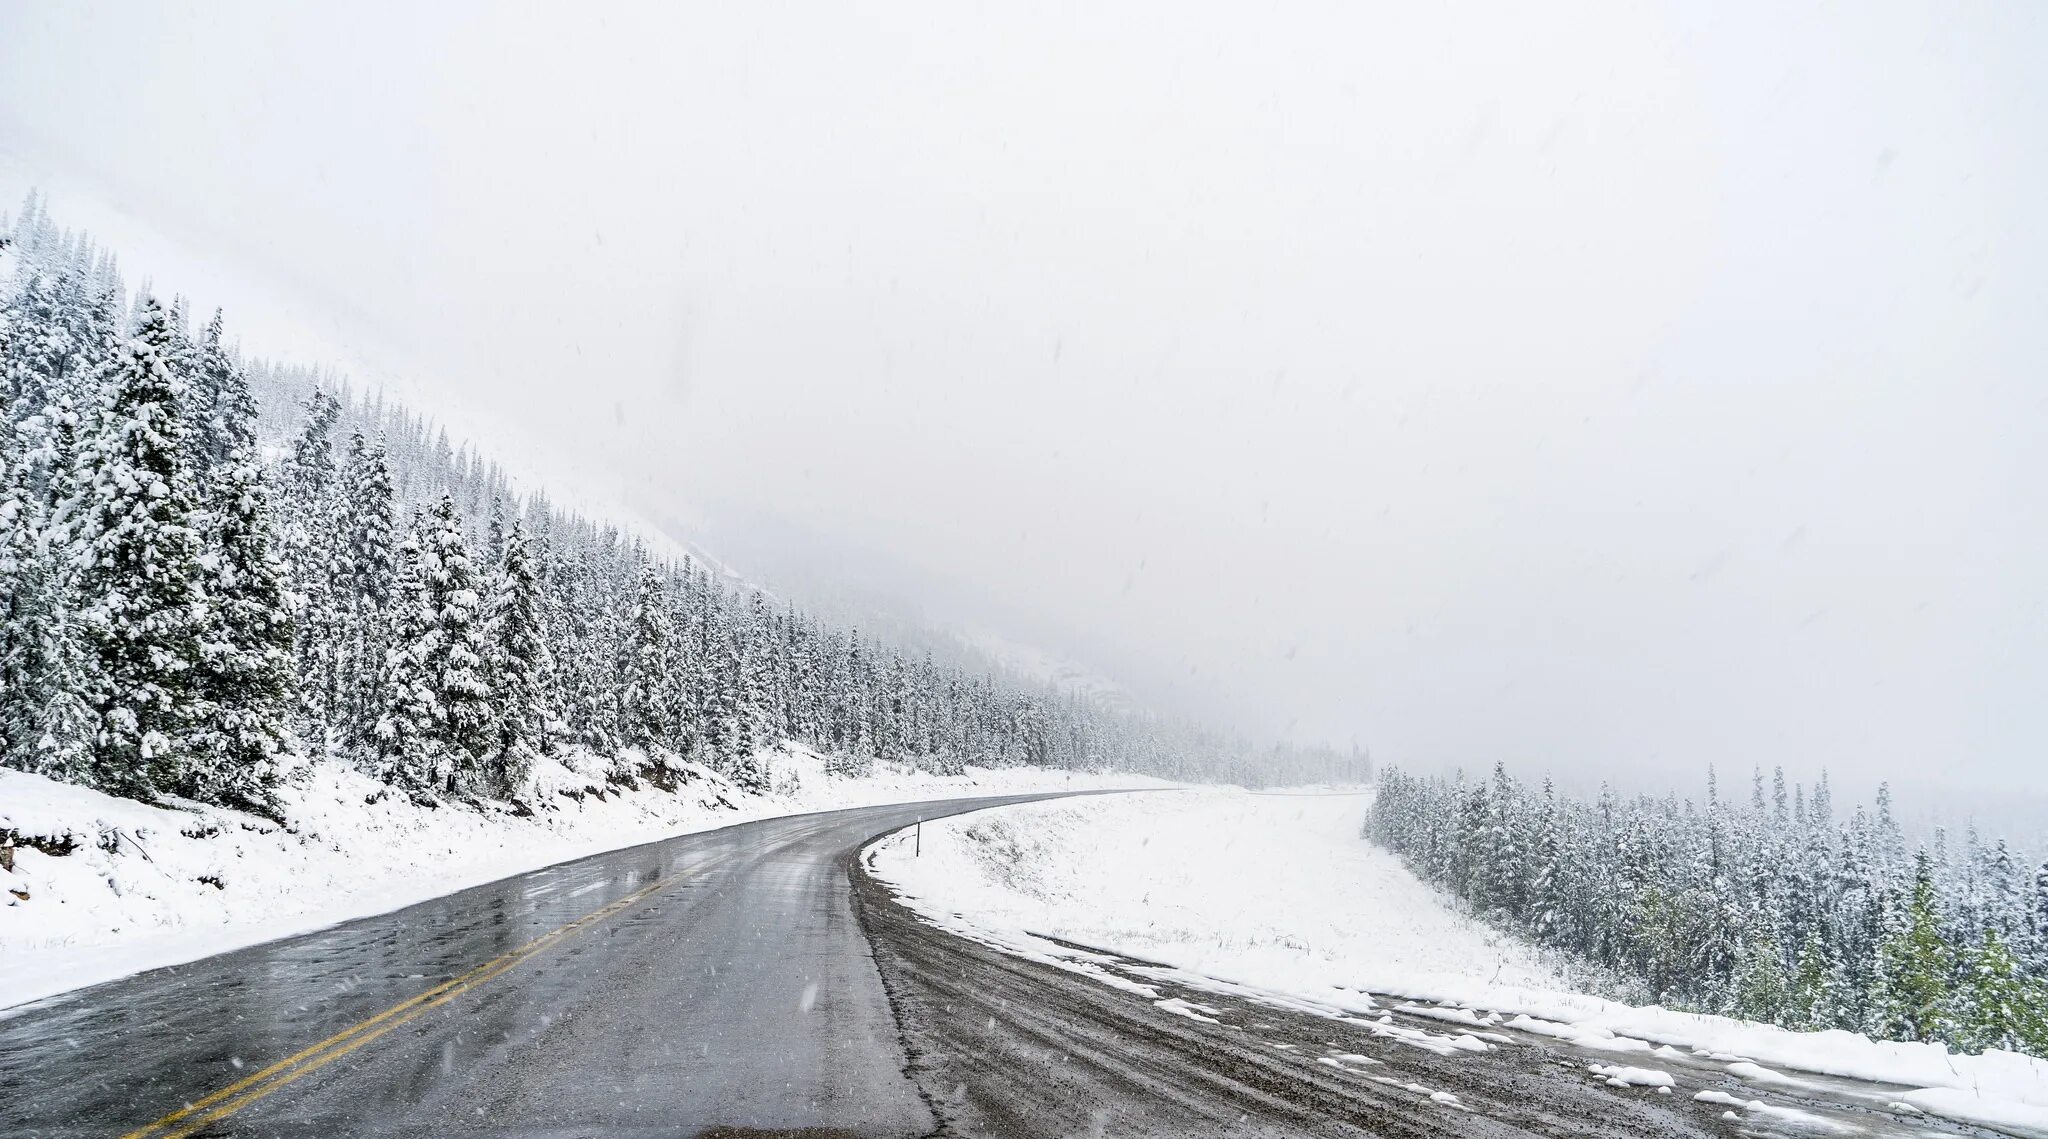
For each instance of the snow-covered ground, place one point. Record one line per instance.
(1277, 893)
(146, 886)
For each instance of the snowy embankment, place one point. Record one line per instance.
(1277, 893)
(137, 887)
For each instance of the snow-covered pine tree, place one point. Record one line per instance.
(39, 347)
(758, 698)
(593, 637)
(728, 722)
(805, 679)
(367, 572)
(1996, 1005)
(680, 667)
(220, 399)
(307, 548)
(645, 714)
(1838, 1005)
(46, 725)
(20, 526)
(1761, 991)
(243, 683)
(850, 747)
(2037, 918)
(408, 714)
(891, 711)
(143, 614)
(569, 629)
(453, 652)
(2002, 890)
(1500, 864)
(1918, 964)
(494, 534)
(1807, 1005)
(608, 636)
(521, 669)
(1550, 884)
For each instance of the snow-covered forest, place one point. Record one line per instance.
(214, 570)
(1775, 906)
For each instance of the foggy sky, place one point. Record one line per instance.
(1605, 389)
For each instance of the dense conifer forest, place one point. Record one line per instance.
(1772, 906)
(213, 571)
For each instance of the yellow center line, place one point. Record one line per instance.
(249, 1089)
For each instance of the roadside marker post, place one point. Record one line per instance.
(918, 852)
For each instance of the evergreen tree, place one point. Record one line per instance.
(1997, 1006)
(729, 724)
(143, 612)
(2003, 900)
(307, 548)
(453, 652)
(521, 668)
(1808, 1006)
(46, 723)
(407, 710)
(2037, 961)
(222, 409)
(1500, 858)
(645, 716)
(1837, 1005)
(1550, 887)
(244, 677)
(435, 728)
(1917, 963)
(40, 350)
(679, 664)
(758, 696)
(366, 575)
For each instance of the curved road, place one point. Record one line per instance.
(716, 980)
(749, 981)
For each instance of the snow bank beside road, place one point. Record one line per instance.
(1279, 893)
(1270, 890)
(142, 886)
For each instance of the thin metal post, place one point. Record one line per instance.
(919, 852)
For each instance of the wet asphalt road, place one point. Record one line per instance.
(751, 982)
(717, 980)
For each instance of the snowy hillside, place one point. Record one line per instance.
(294, 344)
(1276, 894)
(221, 571)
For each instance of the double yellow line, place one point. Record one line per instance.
(249, 1089)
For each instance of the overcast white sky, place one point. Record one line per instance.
(1605, 388)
